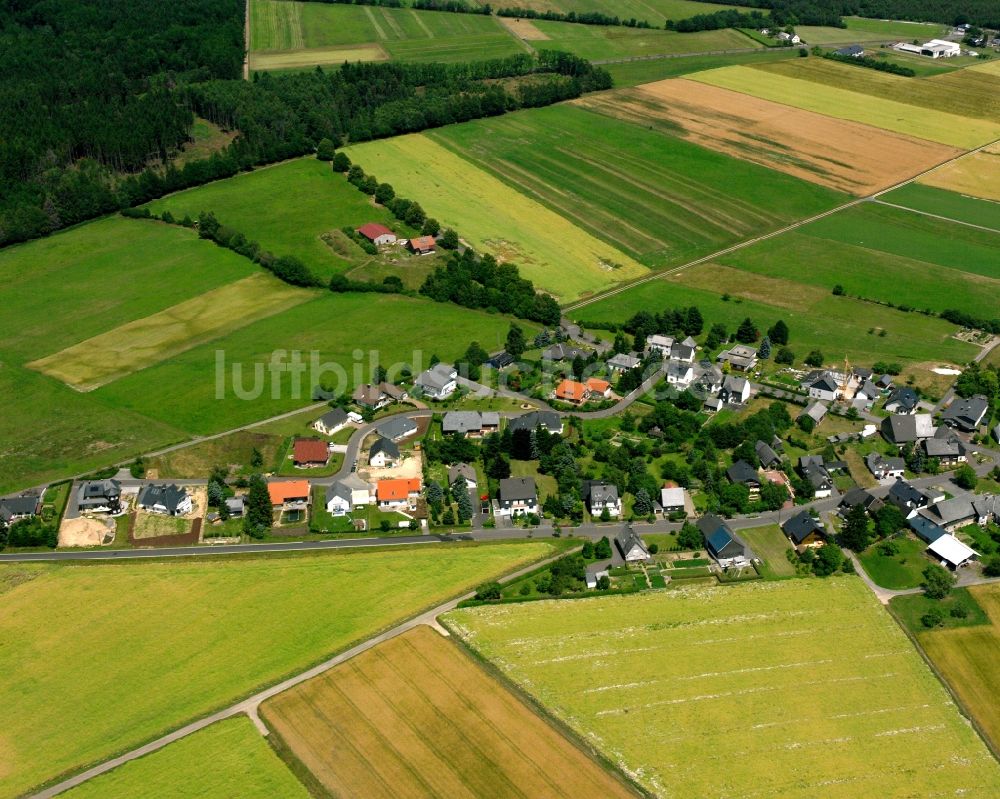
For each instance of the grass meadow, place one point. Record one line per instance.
(417, 717)
(861, 30)
(795, 87)
(770, 545)
(598, 42)
(515, 226)
(950, 204)
(288, 208)
(966, 656)
(655, 197)
(229, 758)
(655, 12)
(885, 254)
(780, 689)
(633, 73)
(101, 657)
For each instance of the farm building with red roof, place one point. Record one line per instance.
(423, 245)
(377, 234)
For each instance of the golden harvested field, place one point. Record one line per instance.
(977, 174)
(910, 120)
(144, 342)
(307, 58)
(415, 717)
(549, 249)
(794, 689)
(228, 759)
(968, 658)
(844, 155)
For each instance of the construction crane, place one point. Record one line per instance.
(845, 383)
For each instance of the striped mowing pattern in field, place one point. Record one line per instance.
(791, 689)
(415, 717)
(923, 123)
(275, 25)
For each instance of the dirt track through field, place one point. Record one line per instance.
(415, 717)
(844, 155)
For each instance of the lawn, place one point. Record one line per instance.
(289, 208)
(910, 608)
(599, 42)
(796, 88)
(229, 758)
(807, 676)
(632, 73)
(977, 175)
(655, 197)
(771, 545)
(88, 676)
(967, 657)
(899, 571)
(417, 717)
(549, 249)
(949, 204)
(886, 254)
(837, 326)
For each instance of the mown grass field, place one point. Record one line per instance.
(633, 73)
(597, 42)
(837, 326)
(288, 208)
(229, 758)
(886, 254)
(550, 249)
(653, 11)
(950, 204)
(417, 717)
(653, 196)
(99, 658)
(899, 571)
(780, 689)
(977, 174)
(293, 34)
(968, 656)
(143, 342)
(860, 29)
(796, 89)
(842, 155)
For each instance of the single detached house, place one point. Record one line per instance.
(171, 500)
(289, 494)
(383, 453)
(331, 422)
(740, 358)
(766, 455)
(735, 390)
(571, 391)
(517, 496)
(378, 396)
(465, 472)
(308, 453)
(883, 468)
(966, 414)
(422, 245)
(946, 447)
(725, 547)
(397, 428)
(815, 410)
(659, 344)
(99, 496)
(902, 429)
(631, 547)
(804, 531)
(550, 421)
(562, 352)
(858, 496)
(401, 494)
(601, 496)
(599, 389)
(338, 500)
(622, 362)
(439, 382)
(902, 400)
(907, 498)
(13, 509)
(470, 423)
(815, 471)
(377, 234)
(743, 473)
(673, 499)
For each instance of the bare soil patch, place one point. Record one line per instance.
(844, 155)
(86, 532)
(523, 29)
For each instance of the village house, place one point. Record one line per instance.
(804, 530)
(883, 468)
(680, 374)
(331, 422)
(308, 453)
(946, 447)
(659, 344)
(361, 490)
(866, 395)
(171, 500)
(595, 571)
(630, 546)
(378, 396)
(573, 392)
(708, 377)
(599, 389)
(952, 514)
(816, 473)
(383, 453)
(622, 363)
(743, 473)
(902, 401)
(601, 496)
(465, 472)
(816, 411)
(907, 429)
(517, 496)
(673, 499)
(397, 428)
(823, 385)
(966, 414)
(740, 358)
(766, 455)
(907, 498)
(338, 500)
(725, 547)
(563, 352)
(99, 496)
(683, 351)
(398, 494)
(858, 496)
(852, 51)
(14, 509)
(437, 383)
(550, 421)
(470, 424)
(422, 245)
(377, 234)
(289, 494)
(735, 390)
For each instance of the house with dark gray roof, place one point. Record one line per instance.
(384, 453)
(952, 513)
(463, 471)
(680, 351)
(563, 352)
(397, 428)
(858, 496)
(743, 473)
(925, 529)
(13, 509)
(907, 498)
(966, 414)
(725, 547)
(99, 496)
(902, 429)
(517, 496)
(631, 546)
(804, 530)
(437, 383)
(822, 385)
(600, 496)
(622, 362)
(470, 423)
(902, 400)
(735, 390)
(548, 420)
(766, 455)
(171, 500)
(331, 421)
(883, 468)
(816, 411)
(946, 447)
(816, 472)
(852, 50)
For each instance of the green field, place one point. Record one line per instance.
(797, 89)
(657, 198)
(597, 42)
(286, 34)
(770, 545)
(99, 658)
(288, 208)
(633, 73)
(899, 571)
(950, 204)
(549, 249)
(860, 30)
(653, 11)
(837, 326)
(774, 689)
(886, 254)
(229, 758)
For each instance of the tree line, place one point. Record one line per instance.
(581, 17)
(805, 12)
(872, 63)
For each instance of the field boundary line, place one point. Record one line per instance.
(250, 703)
(773, 234)
(936, 216)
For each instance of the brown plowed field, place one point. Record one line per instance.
(415, 717)
(849, 156)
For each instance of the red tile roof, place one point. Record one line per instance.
(285, 490)
(600, 386)
(422, 243)
(373, 230)
(310, 450)
(397, 490)
(571, 390)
